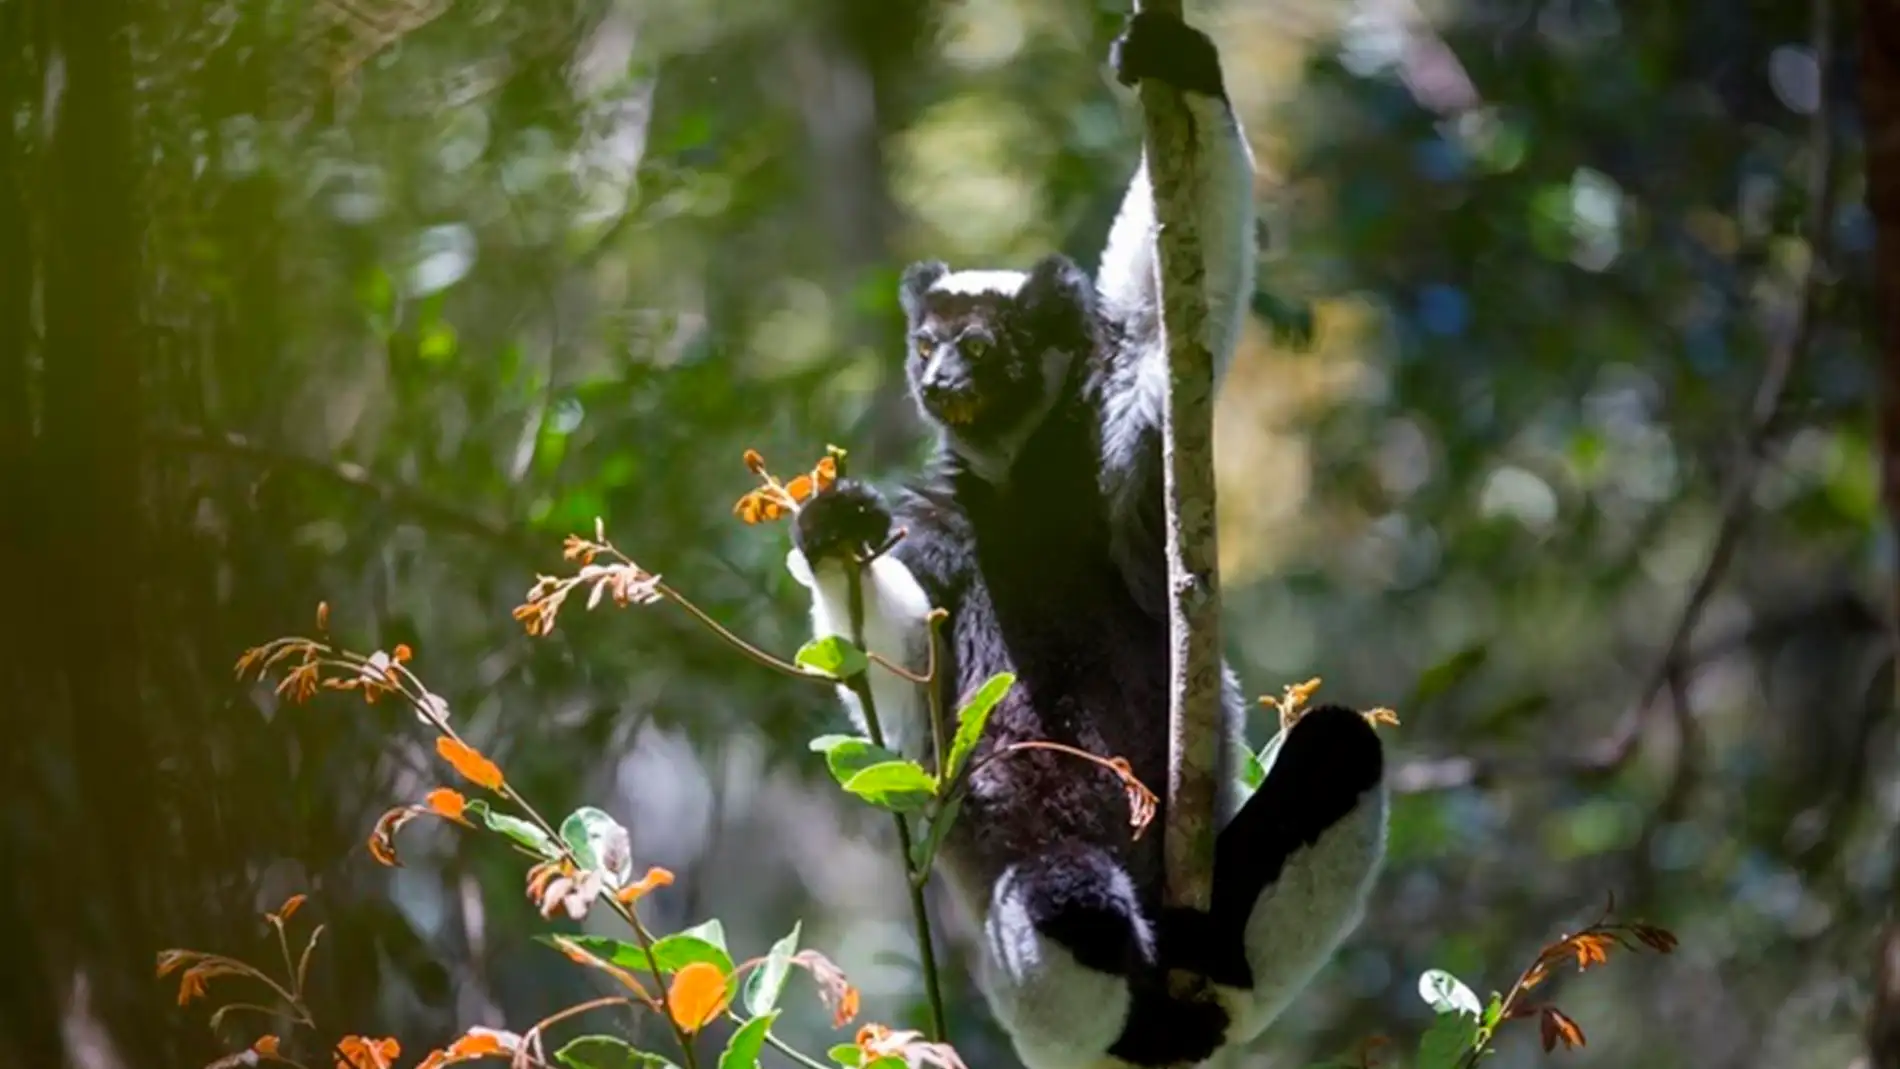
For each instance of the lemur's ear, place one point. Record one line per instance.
(1057, 300)
(917, 280)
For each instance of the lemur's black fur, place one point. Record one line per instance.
(1038, 531)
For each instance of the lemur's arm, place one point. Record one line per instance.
(897, 593)
(1135, 395)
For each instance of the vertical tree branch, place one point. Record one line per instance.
(1188, 460)
(1880, 104)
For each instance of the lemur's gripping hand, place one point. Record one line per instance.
(845, 522)
(1167, 49)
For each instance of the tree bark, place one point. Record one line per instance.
(1188, 463)
(1880, 102)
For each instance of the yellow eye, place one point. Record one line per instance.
(975, 347)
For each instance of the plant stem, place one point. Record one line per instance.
(793, 1053)
(626, 914)
(753, 652)
(860, 685)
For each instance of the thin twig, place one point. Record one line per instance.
(1611, 752)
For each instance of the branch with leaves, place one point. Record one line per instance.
(688, 978)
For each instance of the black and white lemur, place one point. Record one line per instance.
(1039, 531)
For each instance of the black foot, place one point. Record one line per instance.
(1169, 50)
(848, 520)
(1329, 764)
(1079, 897)
(1166, 1031)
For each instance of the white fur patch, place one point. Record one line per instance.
(1304, 916)
(1130, 291)
(895, 628)
(1059, 1015)
(1005, 283)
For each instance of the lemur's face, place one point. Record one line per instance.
(969, 370)
(990, 352)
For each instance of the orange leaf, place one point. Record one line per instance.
(290, 906)
(754, 462)
(356, 1052)
(469, 762)
(653, 880)
(477, 1043)
(323, 615)
(1555, 1026)
(697, 995)
(172, 959)
(826, 472)
(833, 987)
(402, 653)
(799, 488)
(447, 803)
(382, 838)
(266, 1045)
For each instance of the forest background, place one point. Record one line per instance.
(1555, 430)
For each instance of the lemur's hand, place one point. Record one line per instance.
(846, 521)
(1167, 49)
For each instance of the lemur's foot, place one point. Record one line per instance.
(1167, 49)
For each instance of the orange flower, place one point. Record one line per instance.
(469, 762)
(266, 1045)
(357, 1052)
(447, 803)
(697, 995)
(477, 1043)
(655, 879)
(283, 912)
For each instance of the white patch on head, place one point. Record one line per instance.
(1001, 283)
(1059, 1015)
(895, 628)
(1303, 916)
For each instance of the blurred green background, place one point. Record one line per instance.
(372, 301)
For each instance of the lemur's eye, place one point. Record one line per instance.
(922, 339)
(974, 346)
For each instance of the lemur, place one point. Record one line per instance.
(1038, 529)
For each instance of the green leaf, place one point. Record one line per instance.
(1444, 1044)
(833, 656)
(767, 981)
(1252, 772)
(847, 755)
(1493, 1011)
(1445, 993)
(1448, 673)
(924, 851)
(896, 785)
(675, 952)
(846, 1054)
(437, 343)
(1269, 752)
(711, 931)
(583, 828)
(615, 951)
(606, 1052)
(742, 1050)
(521, 831)
(971, 718)
(889, 1061)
